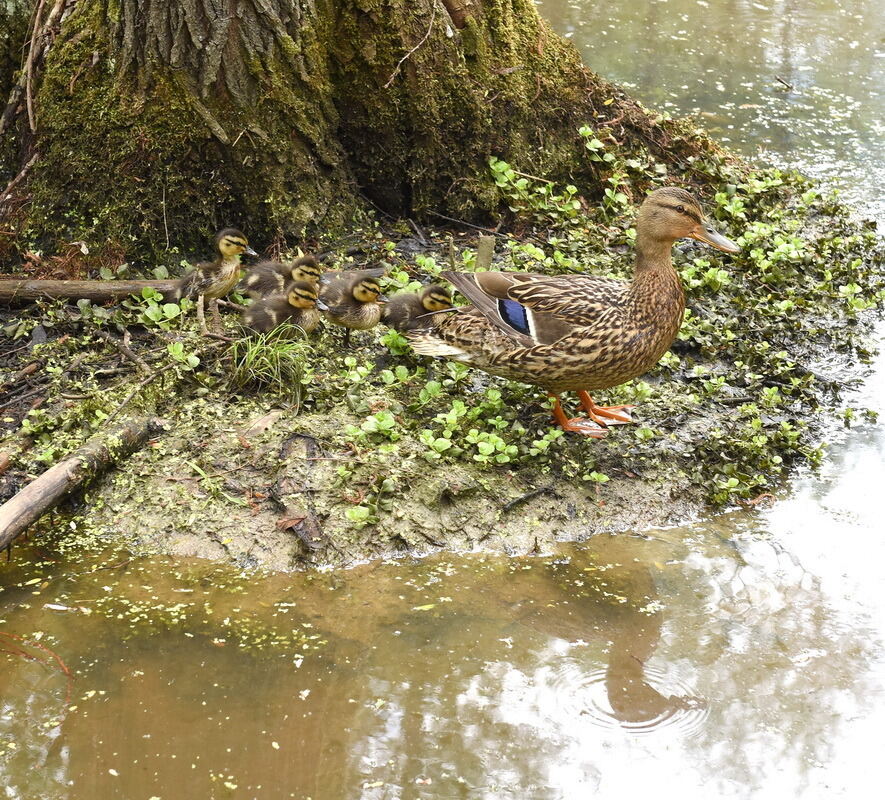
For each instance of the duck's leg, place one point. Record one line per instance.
(605, 415)
(216, 316)
(201, 314)
(347, 337)
(580, 425)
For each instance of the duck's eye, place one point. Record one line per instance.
(680, 209)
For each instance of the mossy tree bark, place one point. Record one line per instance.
(152, 123)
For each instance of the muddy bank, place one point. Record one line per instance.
(372, 451)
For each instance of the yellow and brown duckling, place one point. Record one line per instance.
(270, 277)
(408, 310)
(300, 306)
(577, 332)
(354, 300)
(214, 279)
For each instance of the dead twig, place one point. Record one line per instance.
(29, 68)
(533, 177)
(418, 232)
(780, 80)
(407, 55)
(231, 304)
(22, 397)
(125, 350)
(18, 178)
(53, 655)
(489, 231)
(153, 376)
(528, 496)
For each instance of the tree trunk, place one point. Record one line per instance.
(159, 122)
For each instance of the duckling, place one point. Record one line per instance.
(408, 310)
(214, 279)
(271, 277)
(354, 300)
(299, 306)
(307, 268)
(577, 332)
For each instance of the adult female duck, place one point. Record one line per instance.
(577, 332)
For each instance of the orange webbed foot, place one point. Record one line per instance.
(606, 415)
(585, 427)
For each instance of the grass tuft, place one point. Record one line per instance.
(274, 361)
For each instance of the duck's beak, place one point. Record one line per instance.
(705, 232)
(249, 251)
(322, 306)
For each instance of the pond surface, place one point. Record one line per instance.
(721, 60)
(738, 658)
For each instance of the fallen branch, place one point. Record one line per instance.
(96, 291)
(84, 464)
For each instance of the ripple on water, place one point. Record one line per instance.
(637, 699)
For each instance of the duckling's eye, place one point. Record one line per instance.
(680, 209)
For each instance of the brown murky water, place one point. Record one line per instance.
(738, 658)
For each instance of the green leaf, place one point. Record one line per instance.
(357, 513)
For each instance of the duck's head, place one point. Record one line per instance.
(671, 213)
(306, 268)
(303, 294)
(367, 290)
(436, 298)
(230, 243)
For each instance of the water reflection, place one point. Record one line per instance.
(662, 664)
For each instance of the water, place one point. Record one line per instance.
(738, 658)
(721, 59)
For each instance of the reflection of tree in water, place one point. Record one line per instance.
(773, 665)
(779, 666)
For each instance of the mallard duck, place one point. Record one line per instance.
(354, 300)
(270, 277)
(577, 332)
(407, 310)
(214, 279)
(299, 306)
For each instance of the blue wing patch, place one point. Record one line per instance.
(515, 315)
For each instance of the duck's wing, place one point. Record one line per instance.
(263, 279)
(337, 296)
(538, 309)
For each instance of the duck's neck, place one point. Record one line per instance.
(652, 255)
(656, 292)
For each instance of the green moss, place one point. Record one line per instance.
(108, 144)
